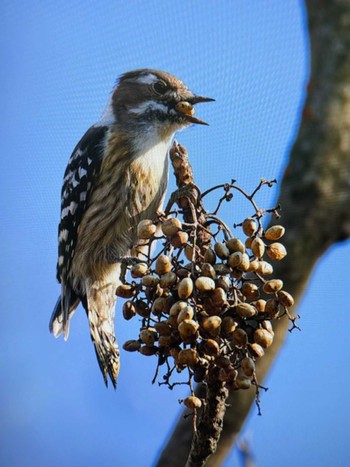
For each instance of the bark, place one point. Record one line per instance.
(188, 198)
(205, 439)
(314, 195)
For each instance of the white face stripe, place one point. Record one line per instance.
(148, 78)
(149, 105)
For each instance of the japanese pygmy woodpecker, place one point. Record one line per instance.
(117, 176)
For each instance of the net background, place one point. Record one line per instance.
(59, 62)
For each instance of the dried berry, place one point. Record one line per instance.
(148, 350)
(210, 308)
(221, 250)
(186, 313)
(139, 270)
(268, 326)
(179, 239)
(227, 374)
(149, 280)
(224, 283)
(228, 325)
(235, 244)
(131, 345)
(240, 337)
(185, 108)
(248, 366)
(237, 274)
(243, 383)
(272, 286)
(253, 266)
(258, 247)
(199, 374)
(125, 291)
(210, 256)
(129, 310)
(148, 336)
(276, 251)
(221, 269)
(211, 324)
(275, 232)
(235, 259)
(249, 226)
(168, 279)
(208, 271)
(177, 307)
(204, 284)
(146, 229)
(285, 298)
(159, 306)
(163, 265)
(141, 308)
(210, 347)
(259, 305)
(218, 297)
(244, 310)
(263, 338)
(256, 350)
(264, 268)
(272, 308)
(165, 341)
(171, 226)
(185, 288)
(245, 263)
(250, 290)
(163, 328)
(188, 327)
(193, 402)
(188, 357)
(248, 242)
(174, 352)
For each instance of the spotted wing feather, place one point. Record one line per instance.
(83, 167)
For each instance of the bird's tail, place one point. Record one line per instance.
(101, 299)
(63, 311)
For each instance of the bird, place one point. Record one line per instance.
(116, 176)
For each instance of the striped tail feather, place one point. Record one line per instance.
(99, 302)
(101, 299)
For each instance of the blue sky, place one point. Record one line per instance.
(59, 63)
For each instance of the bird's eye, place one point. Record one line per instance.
(160, 87)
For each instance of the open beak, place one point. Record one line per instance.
(200, 99)
(192, 119)
(187, 110)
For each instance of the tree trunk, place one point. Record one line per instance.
(315, 196)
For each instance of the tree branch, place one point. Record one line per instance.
(206, 437)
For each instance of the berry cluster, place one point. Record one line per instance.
(206, 308)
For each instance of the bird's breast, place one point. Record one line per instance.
(130, 187)
(148, 174)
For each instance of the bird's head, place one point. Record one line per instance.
(147, 97)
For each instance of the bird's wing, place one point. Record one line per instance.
(82, 169)
(83, 166)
